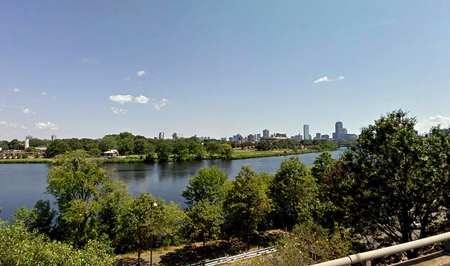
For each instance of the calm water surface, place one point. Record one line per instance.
(24, 184)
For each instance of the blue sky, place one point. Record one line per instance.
(218, 68)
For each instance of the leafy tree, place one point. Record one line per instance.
(246, 204)
(141, 146)
(293, 192)
(226, 151)
(75, 181)
(163, 150)
(262, 145)
(126, 144)
(108, 143)
(203, 221)
(181, 151)
(56, 147)
(196, 149)
(15, 144)
(147, 218)
(207, 185)
(213, 147)
(395, 177)
(19, 246)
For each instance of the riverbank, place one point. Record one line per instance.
(237, 155)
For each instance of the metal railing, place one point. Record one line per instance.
(229, 259)
(367, 257)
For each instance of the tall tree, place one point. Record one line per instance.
(56, 147)
(395, 177)
(246, 204)
(226, 151)
(294, 192)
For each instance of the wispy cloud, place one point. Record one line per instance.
(141, 99)
(127, 78)
(87, 59)
(326, 79)
(11, 125)
(140, 73)
(43, 93)
(118, 111)
(433, 121)
(121, 98)
(160, 104)
(26, 111)
(16, 90)
(47, 126)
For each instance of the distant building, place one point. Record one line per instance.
(251, 138)
(258, 136)
(326, 137)
(27, 143)
(318, 136)
(28, 137)
(306, 132)
(266, 133)
(161, 135)
(341, 132)
(53, 137)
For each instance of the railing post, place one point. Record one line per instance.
(367, 263)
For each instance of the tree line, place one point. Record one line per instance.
(174, 149)
(391, 187)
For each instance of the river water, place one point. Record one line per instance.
(24, 184)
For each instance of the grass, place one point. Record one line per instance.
(27, 160)
(247, 154)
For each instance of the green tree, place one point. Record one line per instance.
(108, 143)
(146, 219)
(141, 146)
(196, 149)
(246, 204)
(395, 177)
(293, 192)
(75, 181)
(263, 145)
(207, 185)
(163, 150)
(56, 147)
(213, 147)
(181, 151)
(226, 151)
(203, 221)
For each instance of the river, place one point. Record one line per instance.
(24, 184)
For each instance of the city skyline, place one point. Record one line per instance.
(206, 68)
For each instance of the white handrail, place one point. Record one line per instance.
(374, 254)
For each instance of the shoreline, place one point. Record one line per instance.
(237, 155)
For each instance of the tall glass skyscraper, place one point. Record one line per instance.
(306, 132)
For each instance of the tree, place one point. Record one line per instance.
(56, 147)
(108, 143)
(207, 185)
(226, 151)
(147, 218)
(293, 192)
(246, 204)
(141, 146)
(181, 151)
(263, 145)
(75, 181)
(203, 221)
(196, 148)
(213, 147)
(163, 150)
(126, 144)
(394, 177)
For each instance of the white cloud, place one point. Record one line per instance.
(45, 126)
(323, 79)
(140, 73)
(120, 98)
(87, 59)
(158, 105)
(118, 111)
(127, 78)
(433, 121)
(26, 111)
(326, 79)
(2, 122)
(16, 89)
(43, 93)
(141, 99)
(12, 125)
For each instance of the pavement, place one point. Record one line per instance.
(435, 259)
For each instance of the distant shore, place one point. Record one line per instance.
(237, 155)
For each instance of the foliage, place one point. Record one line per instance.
(18, 246)
(56, 147)
(395, 177)
(226, 151)
(246, 204)
(207, 185)
(293, 192)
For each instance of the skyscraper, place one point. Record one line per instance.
(53, 137)
(306, 132)
(265, 133)
(161, 135)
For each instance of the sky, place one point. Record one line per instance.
(86, 69)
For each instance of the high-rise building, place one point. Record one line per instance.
(161, 135)
(53, 137)
(265, 133)
(341, 132)
(306, 132)
(27, 143)
(318, 136)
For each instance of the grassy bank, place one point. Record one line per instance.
(237, 155)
